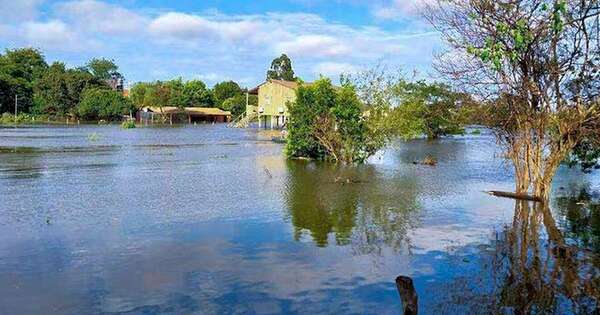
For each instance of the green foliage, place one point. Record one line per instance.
(586, 155)
(19, 70)
(59, 90)
(9, 119)
(225, 90)
(237, 104)
(197, 94)
(103, 104)
(103, 69)
(171, 93)
(128, 124)
(430, 109)
(327, 123)
(281, 69)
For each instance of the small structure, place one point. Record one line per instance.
(273, 98)
(190, 115)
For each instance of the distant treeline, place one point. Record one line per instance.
(226, 95)
(94, 91)
(55, 91)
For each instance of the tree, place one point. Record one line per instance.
(197, 95)
(225, 90)
(539, 60)
(19, 69)
(281, 69)
(434, 106)
(58, 91)
(103, 104)
(237, 104)
(103, 69)
(176, 93)
(327, 123)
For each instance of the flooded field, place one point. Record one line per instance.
(211, 220)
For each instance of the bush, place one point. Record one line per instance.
(327, 123)
(103, 104)
(128, 124)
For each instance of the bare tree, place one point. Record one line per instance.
(539, 61)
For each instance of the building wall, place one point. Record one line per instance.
(273, 97)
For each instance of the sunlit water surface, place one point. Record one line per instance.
(206, 220)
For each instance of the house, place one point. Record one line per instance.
(273, 97)
(190, 115)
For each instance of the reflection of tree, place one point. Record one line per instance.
(582, 219)
(539, 275)
(534, 269)
(357, 204)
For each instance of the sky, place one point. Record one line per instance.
(218, 40)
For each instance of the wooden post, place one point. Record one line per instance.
(408, 295)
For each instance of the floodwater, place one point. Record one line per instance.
(211, 220)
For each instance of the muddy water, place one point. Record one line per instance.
(210, 220)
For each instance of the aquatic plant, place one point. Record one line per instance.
(94, 136)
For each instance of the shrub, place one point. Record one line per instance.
(103, 104)
(128, 124)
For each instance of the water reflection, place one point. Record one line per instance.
(533, 268)
(356, 206)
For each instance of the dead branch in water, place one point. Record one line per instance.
(511, 195)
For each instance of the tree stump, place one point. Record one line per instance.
(408, 295)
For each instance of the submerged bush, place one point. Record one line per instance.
(128, 124)
(327, 123)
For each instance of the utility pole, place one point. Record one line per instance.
(16, 105)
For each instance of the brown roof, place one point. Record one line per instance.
(201, 111)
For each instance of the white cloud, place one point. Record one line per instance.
(314, 45)
(400, 8)
(18, 10)
(334, 69)
(102, 17)
(182, 26)
(53, 35)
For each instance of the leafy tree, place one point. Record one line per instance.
(328, 123)
(197, 95)
(281, 69)
(59, 90)
(434, 106)
(103, 104)
(138, 92)
(237, 104)
(103, 69)
(539, 60)
(177, 97)
(19, 69)
(225, 90)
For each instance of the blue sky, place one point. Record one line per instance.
(216, 40)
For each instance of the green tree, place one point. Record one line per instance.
(237, 104)
(225, 90)
(177, 96)
(59, 90)
(328, 123)
(539, 60)
(137, 93)
(197, 94)
(103, 69)
(434, 106)
(281, 69)
(19, 70)
(103, 104)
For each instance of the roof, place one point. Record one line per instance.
(201, 111)
(289, 84)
